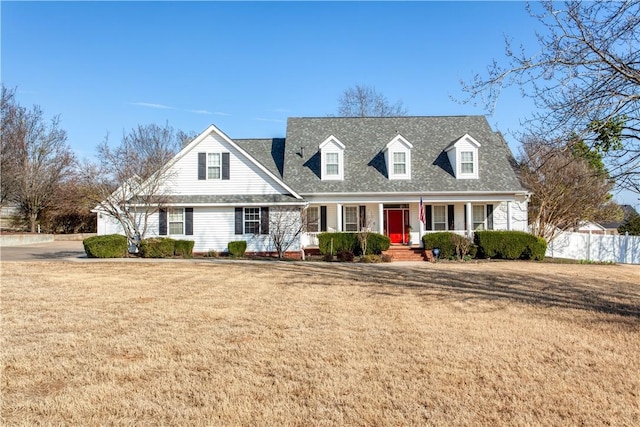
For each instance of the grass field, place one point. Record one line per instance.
(280, 343)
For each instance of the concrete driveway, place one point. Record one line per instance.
(49, 251)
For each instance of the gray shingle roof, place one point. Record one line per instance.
(365, 169)
(269, 152)
(234, 199)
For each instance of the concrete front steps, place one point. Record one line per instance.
(405, 253)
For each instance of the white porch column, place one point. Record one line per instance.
(339, 216)
(380, 218)
(509, 216)
(469, 219)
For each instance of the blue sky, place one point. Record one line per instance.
(105, 67)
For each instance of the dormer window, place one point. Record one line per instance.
(463, 156)
(397, 153)
(466, 162)
(332, 164)
(399, 163)
(332, 159)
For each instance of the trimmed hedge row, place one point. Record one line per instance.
(164, 247)
(333, 243)
(116, 246)
(510, 245)
(108, 246)
(446, 241)
(158, 247)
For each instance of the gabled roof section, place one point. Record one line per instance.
(365, 169)
(331, 139)
(213, 129)
(468, 138)
(399, 139)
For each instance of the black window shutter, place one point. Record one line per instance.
(465, 218)
(363, 217)
(239, 220)
(428, 217)
(162, 222)
(225, 166)
(451, 217)
(188, 221)
(264, 220)
(489, 217)
(202, 166)
(323, 218)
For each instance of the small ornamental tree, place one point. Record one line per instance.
(129, 183)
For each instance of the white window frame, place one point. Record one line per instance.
(466, 162)
(435, 224)
(397, 163)
(353, 225)
(328, 163)
(211, 166)
(479, 225)
(175, 216)
(312, 224)
(251, 215)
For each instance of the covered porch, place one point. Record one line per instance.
(406, 222)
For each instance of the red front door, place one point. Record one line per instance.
(395, 225)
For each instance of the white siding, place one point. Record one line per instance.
(245, 176)
(214, 228)
(500, 221)
(332, 220)
(519, 216)
(108, 225)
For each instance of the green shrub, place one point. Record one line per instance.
(332, 243)
(109, 246)
(510, 245)
(237, 248)
(327, 257)
(157, 247)
(376, 243)
(442, 240)
(184, 248)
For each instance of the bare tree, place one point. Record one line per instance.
(70, 208)
(130, 181)
(35, 158)
(365, 101)
(585, 79)
(8, 111)
(566, 189)
(285, 227)
(365, 231)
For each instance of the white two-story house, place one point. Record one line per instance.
(398, 176)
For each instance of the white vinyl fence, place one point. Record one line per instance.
(621, 249)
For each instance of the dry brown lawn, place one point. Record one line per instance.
(280, 343)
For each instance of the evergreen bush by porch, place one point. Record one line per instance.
(109, 246)
(376, 243)
(510, 245)
(184, 248)
(157, 247)
(237, 248)
(443, 240)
